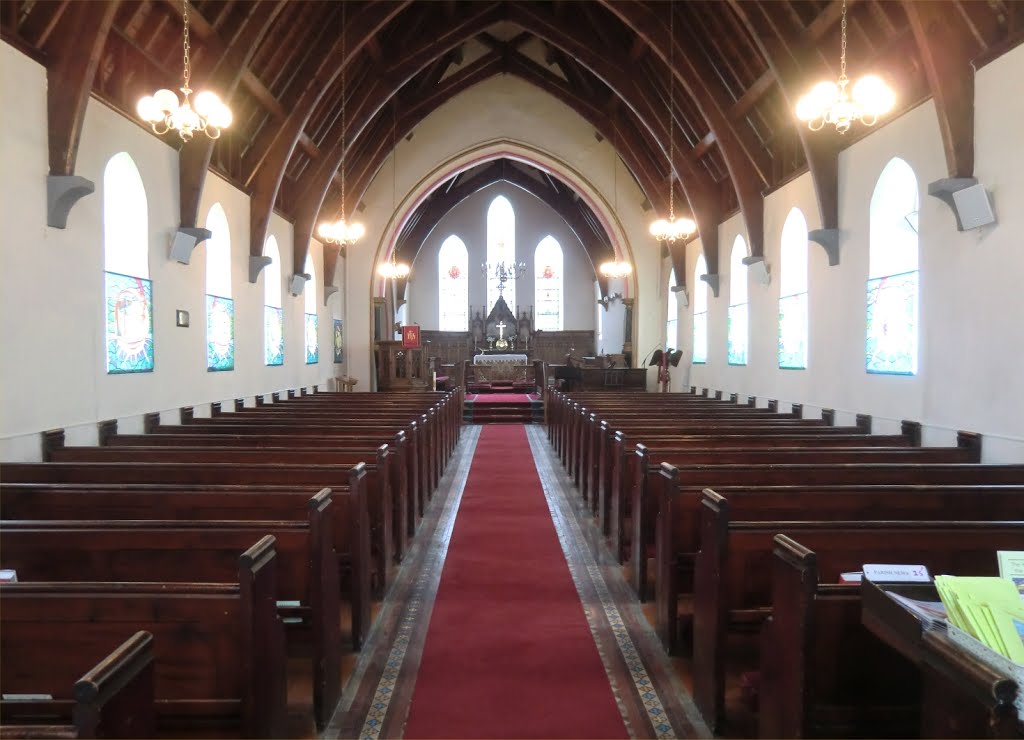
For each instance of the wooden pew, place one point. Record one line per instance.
(207, 550)
(617, 474)
(291, 465)
(647, 488)
(732, 579)
(47, 498)
(195, 626)
(113, 699)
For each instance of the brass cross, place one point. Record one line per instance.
(501, 329)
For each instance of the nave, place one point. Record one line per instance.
(510, 619)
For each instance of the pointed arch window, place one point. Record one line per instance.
(128, 289)
(220, 308)
(312, 325)
(793, 293)
(501, 247)
(672, 321)
(739, 309)
(893, 275)
(273, 311)
(700, 313)
(453, 285)
(547, 289)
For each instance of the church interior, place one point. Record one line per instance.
(512, 369)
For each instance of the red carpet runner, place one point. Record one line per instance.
(508, 652)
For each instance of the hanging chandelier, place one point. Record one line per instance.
(829, 102)
(163, 111)
(616, 269)
(503, 272)
(672, 229)
(393, 270)
(341, 232)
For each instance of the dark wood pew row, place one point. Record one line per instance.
(328, 463)
(823, 673)
(406, 505)
(174, 552)
(442, 415)
(53, 491)
(112, 699)
(219, 648)
(616, 471)
(346, 517)
(428, 473)
(683, 500)
(648, 487)
(732, 573)
(613, 443)
(450, 404)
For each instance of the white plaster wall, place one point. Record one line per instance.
(52, 324)
(971, 303)
(534, 221)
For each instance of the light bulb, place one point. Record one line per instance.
(873, 95)
(166, 100)
(206, 103)
(148, 109)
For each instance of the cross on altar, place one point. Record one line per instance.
(501, 329)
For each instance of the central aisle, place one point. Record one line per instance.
(509, 653)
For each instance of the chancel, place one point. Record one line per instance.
(510, 368)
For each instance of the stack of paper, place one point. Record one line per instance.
(989, 609)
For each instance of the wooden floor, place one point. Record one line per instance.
(649, 688)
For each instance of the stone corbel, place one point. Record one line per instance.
(713, 282)
(967, 198)
(758, 269)
(185, 239)
(329, 290)
(829, 240)
(298, 282)
(62, 192)
(681, 295)
(256, 265)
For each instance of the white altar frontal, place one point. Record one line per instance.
(512, 359)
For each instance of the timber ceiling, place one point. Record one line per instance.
(286, 68)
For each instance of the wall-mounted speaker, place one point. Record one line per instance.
(974, 206)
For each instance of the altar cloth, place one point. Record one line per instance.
(515, 359)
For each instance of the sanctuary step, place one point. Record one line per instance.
(503, 408)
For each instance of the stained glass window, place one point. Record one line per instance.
(129, 324)
(739, 309)
(220, 333)
(339, 352)
(700, 312)
(312, 325)
(453, 285)
(893, 279)
(312, 340)
(547, 285)
(220, 309)
(501, 247)
(672, 322)
(273, 335)
(128, 291)
(273, 313)
(793, 293)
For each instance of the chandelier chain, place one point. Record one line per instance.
(187, 46)
(842, 58)
(671, 111)
(344, 94)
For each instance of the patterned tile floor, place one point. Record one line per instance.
(653, 702)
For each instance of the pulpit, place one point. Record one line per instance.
(400, 368)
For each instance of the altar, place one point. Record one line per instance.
(499, 359)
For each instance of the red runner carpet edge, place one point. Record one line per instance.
(508, 652)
